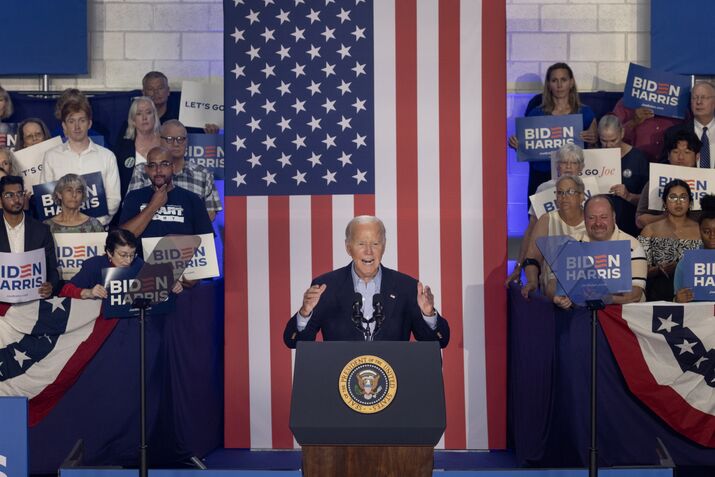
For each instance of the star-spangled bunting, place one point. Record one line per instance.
(302, 94)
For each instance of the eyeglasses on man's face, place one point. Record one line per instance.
(151, 166)
(13, 195)
(566, 193)
(174, 139)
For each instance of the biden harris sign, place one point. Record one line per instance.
(665, 93)
(539, 136)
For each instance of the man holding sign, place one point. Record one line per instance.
(22, 233)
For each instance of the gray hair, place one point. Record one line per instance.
(131, 128)
(575, 179)
(569, 151)
(610, 121)
(69, 180)
(13, 162)
(364, 219)
(171, 122)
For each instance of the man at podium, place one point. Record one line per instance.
(365, 300)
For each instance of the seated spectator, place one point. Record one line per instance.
(567, 220)
(80, 155)
(141, 135)
(569, 161)
(665, 241)
(187, 175)
(163, 208)
(121, 251)
(634, 173)
(600, 221)
(70, 193)
(644, 130)
(706, 225)
(683, 150)
(7, 161)
(560, 97)
(702, 124)
(21, 233)
(31, 131)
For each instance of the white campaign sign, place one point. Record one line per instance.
(201, 104)
(22, 275)
(73, 249)
(603, 164)
(701, 182)
(29, 161)
(545, 201)
(203, 264)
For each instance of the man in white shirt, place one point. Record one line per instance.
(79, 155)
(21, 233)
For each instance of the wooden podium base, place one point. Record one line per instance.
(375, 461)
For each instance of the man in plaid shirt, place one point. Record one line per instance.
(187, 175)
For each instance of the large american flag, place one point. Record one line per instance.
(665, 352)
(341, 108)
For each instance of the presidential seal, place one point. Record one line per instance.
(367, 384)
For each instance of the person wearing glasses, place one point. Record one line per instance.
(120, 251)
(188, 175)
(163, 207)
(702, 105)
(566, 220)
(80, 155)
(599, 216)
(665, 241)
(684, 150)
(141, 135)
(31, 131)
(22, 233)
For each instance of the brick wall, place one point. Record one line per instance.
(130, 37)
(598, 38)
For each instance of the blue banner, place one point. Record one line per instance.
(588, 270)
(94, 206)
(667, 94)
(207, 150)
(539, 136)
(125, 285)
(698, 267)
(13, 436)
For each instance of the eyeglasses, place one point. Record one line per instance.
(124, 255)
(697, 99)
(174, 139)
(566, 193)
(678, 198)
(153, 165)
(13, 195)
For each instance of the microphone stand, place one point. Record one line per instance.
(142, 304)
(378, 315)
(358, 318)
(594, 306)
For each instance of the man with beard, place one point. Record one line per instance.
(22, 233)
(163, 208)
(599, 217)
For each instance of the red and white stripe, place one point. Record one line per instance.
(441, 191)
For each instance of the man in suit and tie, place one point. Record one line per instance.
(702, 105)
(22, 233)
(366, 300)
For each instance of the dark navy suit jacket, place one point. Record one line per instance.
(333, 313)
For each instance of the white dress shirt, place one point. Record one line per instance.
(711, 138)
(16, 235)
(61, 160)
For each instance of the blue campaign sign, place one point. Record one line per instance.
(94, 206)
(13, 436)
(124, 285)
(207, 150)
(588, 270)
(667, 94)
(539, 136)
(698, 273)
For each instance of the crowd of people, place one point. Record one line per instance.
(150, 189)
(658, 238)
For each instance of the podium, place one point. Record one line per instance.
(368, 408)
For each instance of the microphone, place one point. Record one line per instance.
(357, 310)
(378, 312)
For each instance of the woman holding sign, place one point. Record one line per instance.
(665, 241)
(121, 251)
(70, 193)
(707, 235)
